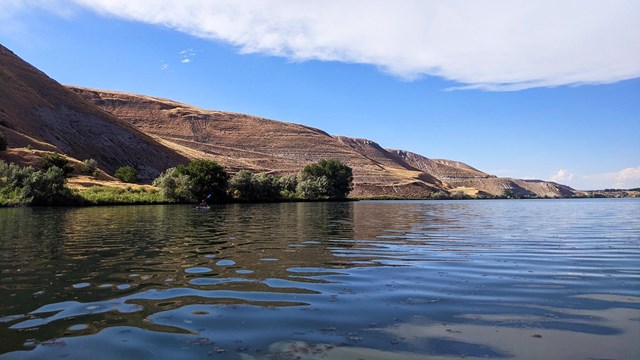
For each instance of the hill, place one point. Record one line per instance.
(240, 141)
(38, 112)
(462, 176)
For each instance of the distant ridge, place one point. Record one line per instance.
(461, 175)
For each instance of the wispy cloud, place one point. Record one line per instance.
(186, 55)
(491, 45)
(164, 67)
(625, 178)
(562, 175)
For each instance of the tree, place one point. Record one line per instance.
(207, 178)
(287, 185)
(175, 186)
(240, 185)
(48, 187)
(26, 186)
(339, 179)
(313, 188)
(127, 174)
(246, 186)
(266, 187)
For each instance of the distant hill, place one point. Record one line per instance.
(461, 175)
(152, 134)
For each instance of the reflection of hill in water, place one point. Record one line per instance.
(156, 243)
(223, 256)
(138, 247)
(93, 254)
(370, 279)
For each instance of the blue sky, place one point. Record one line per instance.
(547, 91)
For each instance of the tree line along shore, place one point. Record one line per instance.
(200, 180)
(197, 181)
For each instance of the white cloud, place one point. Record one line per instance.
(562, 175)
(628, 174)
(186, 55)
(490, 45)
(623, 179)
(164, 67)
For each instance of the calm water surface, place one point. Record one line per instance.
(540, 279)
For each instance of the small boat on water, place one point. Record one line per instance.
(203, 204)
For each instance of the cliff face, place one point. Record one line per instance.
(36, 110)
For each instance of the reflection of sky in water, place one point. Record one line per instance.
(373, 280)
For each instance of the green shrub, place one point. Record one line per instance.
(127, 174)
(313, 188)
(336, 185)
(105, 195)
(48, 187)
(246, 186)
(12, 182)
(56, 160)
(89, 166)
(25, 186)
(288, 184)
(266, 187)
(241, 185)
(325, 180)
(206, 178)
(174, 186)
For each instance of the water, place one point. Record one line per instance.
(526, 279)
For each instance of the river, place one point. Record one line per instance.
(524, 279)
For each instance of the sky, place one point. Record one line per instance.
(526, 89)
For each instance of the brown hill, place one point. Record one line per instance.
(240, 141)
(444, 170)
(460, 175)
(37, 111)
(152, 134)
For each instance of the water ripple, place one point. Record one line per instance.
(323, 280)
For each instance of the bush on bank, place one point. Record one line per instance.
(26, 186)
(200, 179)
